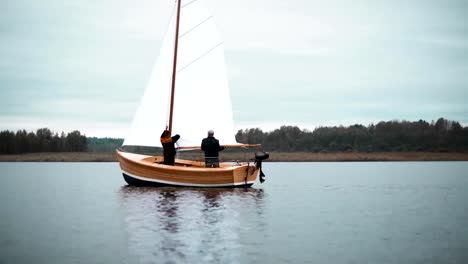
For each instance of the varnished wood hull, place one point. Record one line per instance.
(148, 170)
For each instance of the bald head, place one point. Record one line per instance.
(210, 133)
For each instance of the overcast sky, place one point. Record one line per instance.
(84, 64)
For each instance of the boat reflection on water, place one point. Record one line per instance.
(190, 224)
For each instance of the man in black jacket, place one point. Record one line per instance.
(211, 147)
(168, 147)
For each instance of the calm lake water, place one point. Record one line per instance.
(408, 212)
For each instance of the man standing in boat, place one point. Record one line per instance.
(168, 147)
(211, 147)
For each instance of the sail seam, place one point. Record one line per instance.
(203, 55)
(199, 24)
(191, 2)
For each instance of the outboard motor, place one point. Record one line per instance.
(259, 157)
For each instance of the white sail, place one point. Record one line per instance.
(201, 100)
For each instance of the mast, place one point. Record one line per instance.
(174, 67)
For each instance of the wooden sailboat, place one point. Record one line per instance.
(187, 93)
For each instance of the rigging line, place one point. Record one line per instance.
(203, 55)
(199, 24)
(188, 3)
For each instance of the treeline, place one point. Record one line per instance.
(396, 136)
(441, 136)
(111, 144)
(103, 144)
(43, 140)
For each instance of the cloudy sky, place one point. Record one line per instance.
(84, 64)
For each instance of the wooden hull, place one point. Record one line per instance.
(149, 171)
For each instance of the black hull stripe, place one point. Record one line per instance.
(137, 182)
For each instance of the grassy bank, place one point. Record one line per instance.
(61, 156)
(274, 156)
(375, 156)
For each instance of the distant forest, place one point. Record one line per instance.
(43, 140)
(394, 136)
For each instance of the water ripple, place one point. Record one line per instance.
(186, 224)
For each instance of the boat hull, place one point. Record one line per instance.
(144, 170)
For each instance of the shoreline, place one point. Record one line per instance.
(274, 157)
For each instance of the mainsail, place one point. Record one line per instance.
(201, 99)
